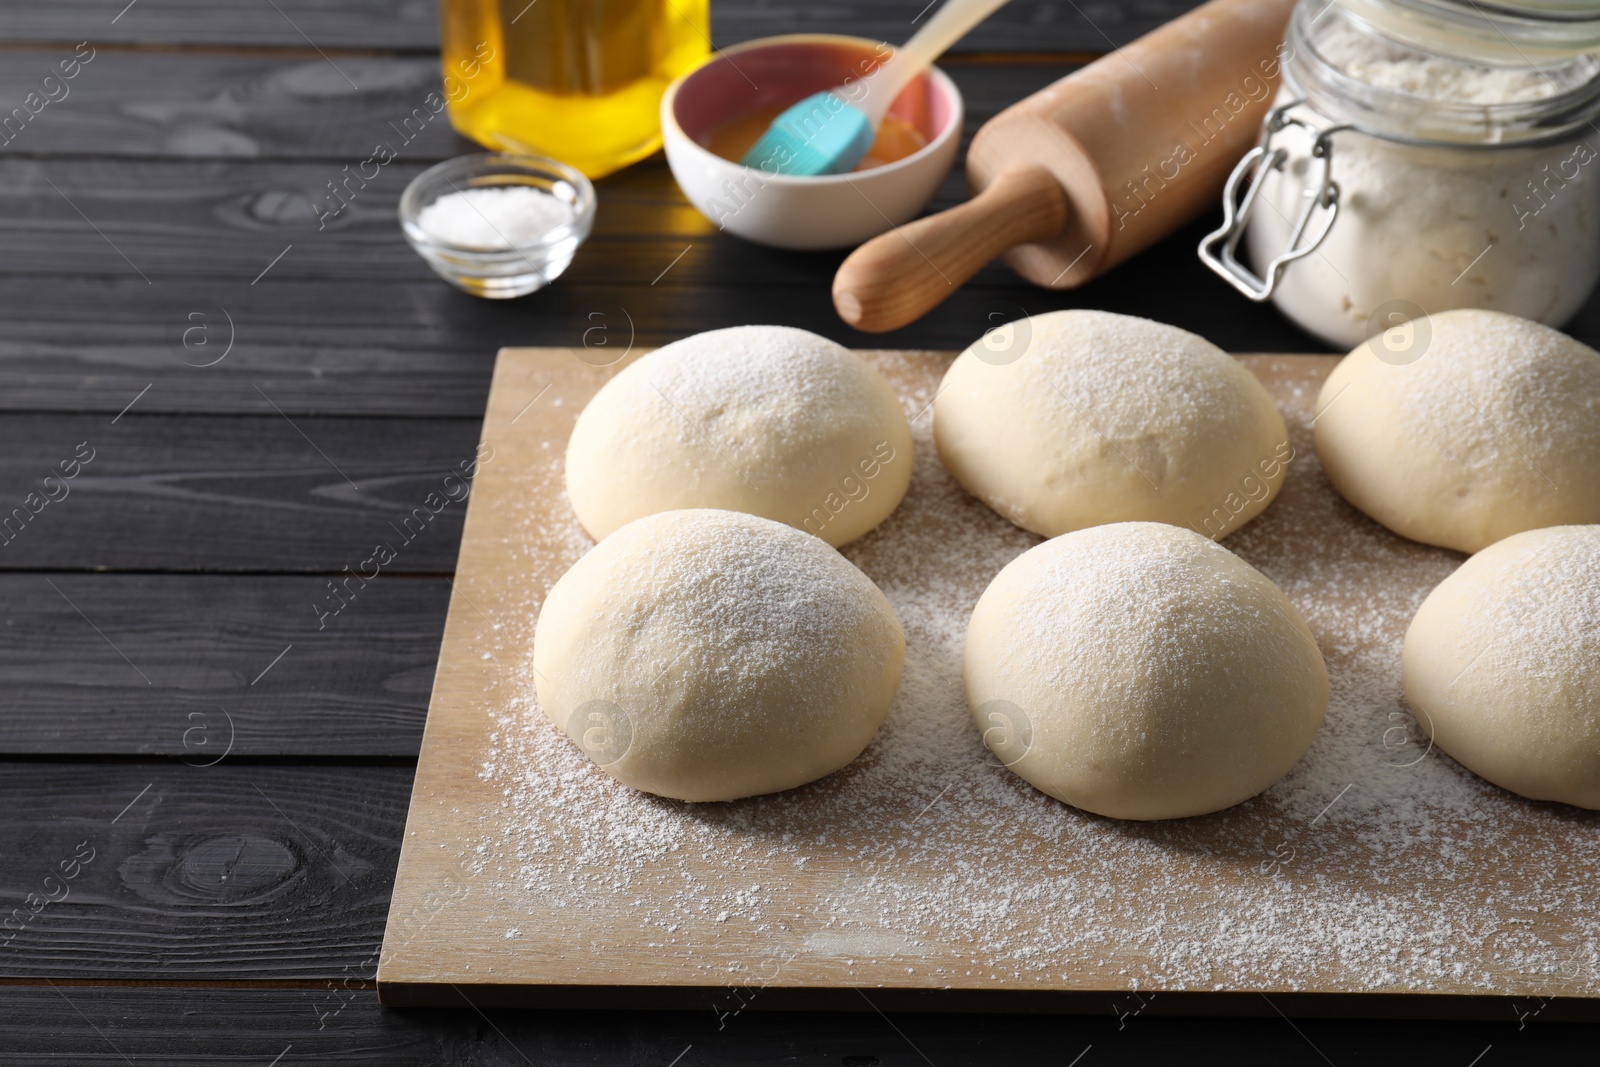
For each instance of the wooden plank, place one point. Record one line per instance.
(167, 872)
(164, 219)
(354, 346)
(264, 493)
(248, 1027)
(363, 24)
(197, 104)
(349, 321)
(150, 217)
(277, 106)
(206, 668)
(403, 342)
(265, 223)
(1023, 25)
(1027, 25)
(1424, 881)
(258, 224)
(346, 346)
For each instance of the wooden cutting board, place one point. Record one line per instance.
(1378, 876)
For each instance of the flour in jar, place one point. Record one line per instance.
(1432, 227)
(1390, 65)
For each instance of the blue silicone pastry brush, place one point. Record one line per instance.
(830, 132)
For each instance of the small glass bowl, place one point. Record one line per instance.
(500, 273)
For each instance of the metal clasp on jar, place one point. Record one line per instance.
(1219, 250)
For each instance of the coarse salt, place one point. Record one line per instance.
(493, 218)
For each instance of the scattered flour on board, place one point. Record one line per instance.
(1376, 864)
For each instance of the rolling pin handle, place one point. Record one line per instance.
(899, 276)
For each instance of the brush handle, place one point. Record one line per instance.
(948, 25)
(899, 276)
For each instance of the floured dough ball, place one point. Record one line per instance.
(1079, 418)
(1141, 671)
(1502, 664)
(710, 655)
(1465, 427)
(767, 420)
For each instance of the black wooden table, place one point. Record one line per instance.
(210, 406)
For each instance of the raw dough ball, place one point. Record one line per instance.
(1502, 664)
(1079, 418)
(1465, 427)
(1141, 671)
(710, 655)
(767, 420)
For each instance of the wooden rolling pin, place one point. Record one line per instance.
(1084, 174)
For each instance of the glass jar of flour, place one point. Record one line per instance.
(1423, 155)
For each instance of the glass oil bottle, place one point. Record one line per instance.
(577, 80)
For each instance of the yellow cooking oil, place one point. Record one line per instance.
(578, 80)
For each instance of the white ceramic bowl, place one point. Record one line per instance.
(834, 211)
